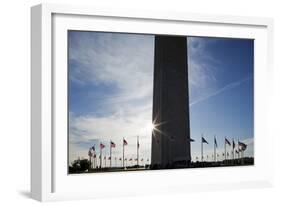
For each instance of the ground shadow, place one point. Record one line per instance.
(25, 193)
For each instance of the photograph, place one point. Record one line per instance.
(141, 102)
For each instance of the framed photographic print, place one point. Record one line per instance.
(133, 102)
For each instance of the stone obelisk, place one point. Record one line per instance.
(170, 138)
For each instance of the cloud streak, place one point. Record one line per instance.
(221, 90)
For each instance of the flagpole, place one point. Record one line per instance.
(90, 162)
(225, 148)
(202, 149)
(123, 153)
(110, 153)
(100, 157)
(233, 154)
(215, 148)
(89, 154)
(138, 151)
(238, 151)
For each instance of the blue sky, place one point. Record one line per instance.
(111, 85)
(221, 91)
(110, 92)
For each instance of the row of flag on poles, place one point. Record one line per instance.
(240, 147)
(236, 148)
(92, 153)
(112, 145)
(120, 159)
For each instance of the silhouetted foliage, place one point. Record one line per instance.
(79, 166)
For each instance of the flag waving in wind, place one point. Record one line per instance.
(227, 142)
(102, 145)
(90, 153)
(242, 145)
(204, 141)
(125, 142)
(216, 144)
(112, 144)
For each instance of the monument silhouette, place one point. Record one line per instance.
(171, 136)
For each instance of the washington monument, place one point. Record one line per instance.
(171, 136)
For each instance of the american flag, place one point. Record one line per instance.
(93, 148)
(125, 142)
(102, 145)
(242, 145)
(112, 144)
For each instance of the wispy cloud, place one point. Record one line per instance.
(124, 64)
(203, 66)
(221, 90)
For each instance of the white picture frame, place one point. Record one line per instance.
(49, 178)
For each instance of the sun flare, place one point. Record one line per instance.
(152, 127)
